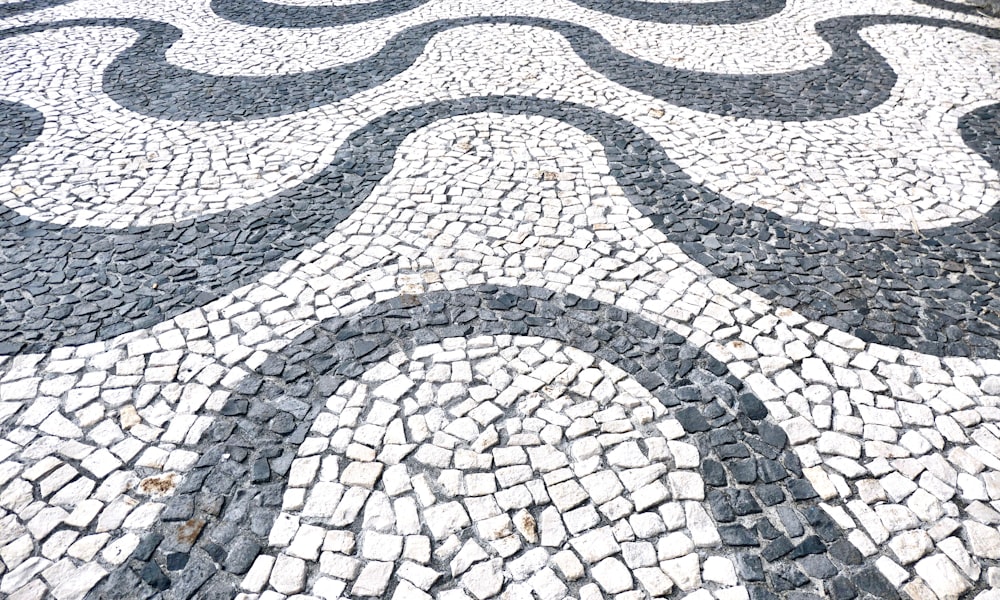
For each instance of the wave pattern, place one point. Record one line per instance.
(493, 345)
(822, 274)
(854, 80)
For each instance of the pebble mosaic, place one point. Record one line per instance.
(469, 299)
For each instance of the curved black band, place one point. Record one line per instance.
(269, 14)
(680, 13)
(234, 493)
(935, 291)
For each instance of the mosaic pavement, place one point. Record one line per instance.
(471, 299)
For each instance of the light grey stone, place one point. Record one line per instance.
(595, 545)
(484, 580)
(288, 575)
(911, 546)
(720, 570)
(702, 528)
(373, 579)
(984, 541)
(942, 576)
(612, 575)
(685, 571)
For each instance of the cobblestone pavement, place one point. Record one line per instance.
(471, 299)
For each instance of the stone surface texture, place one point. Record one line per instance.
(499, 299)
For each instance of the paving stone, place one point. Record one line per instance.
(612, 575)
(485, 579)
(984, 541)
(685, 571)
(373, 579)
(942, 576)
(910, 546)
(288, 574)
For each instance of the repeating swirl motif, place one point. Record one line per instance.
(496, 344)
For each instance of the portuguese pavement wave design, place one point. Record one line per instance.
(473, 299)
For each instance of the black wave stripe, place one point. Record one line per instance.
(680, 13)
(19, 126)
(967, 9)
(855, 79)
(234, 493)
(935, 291)
(19, 8)
(266, 14)
(260, 13)
(980, 130)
